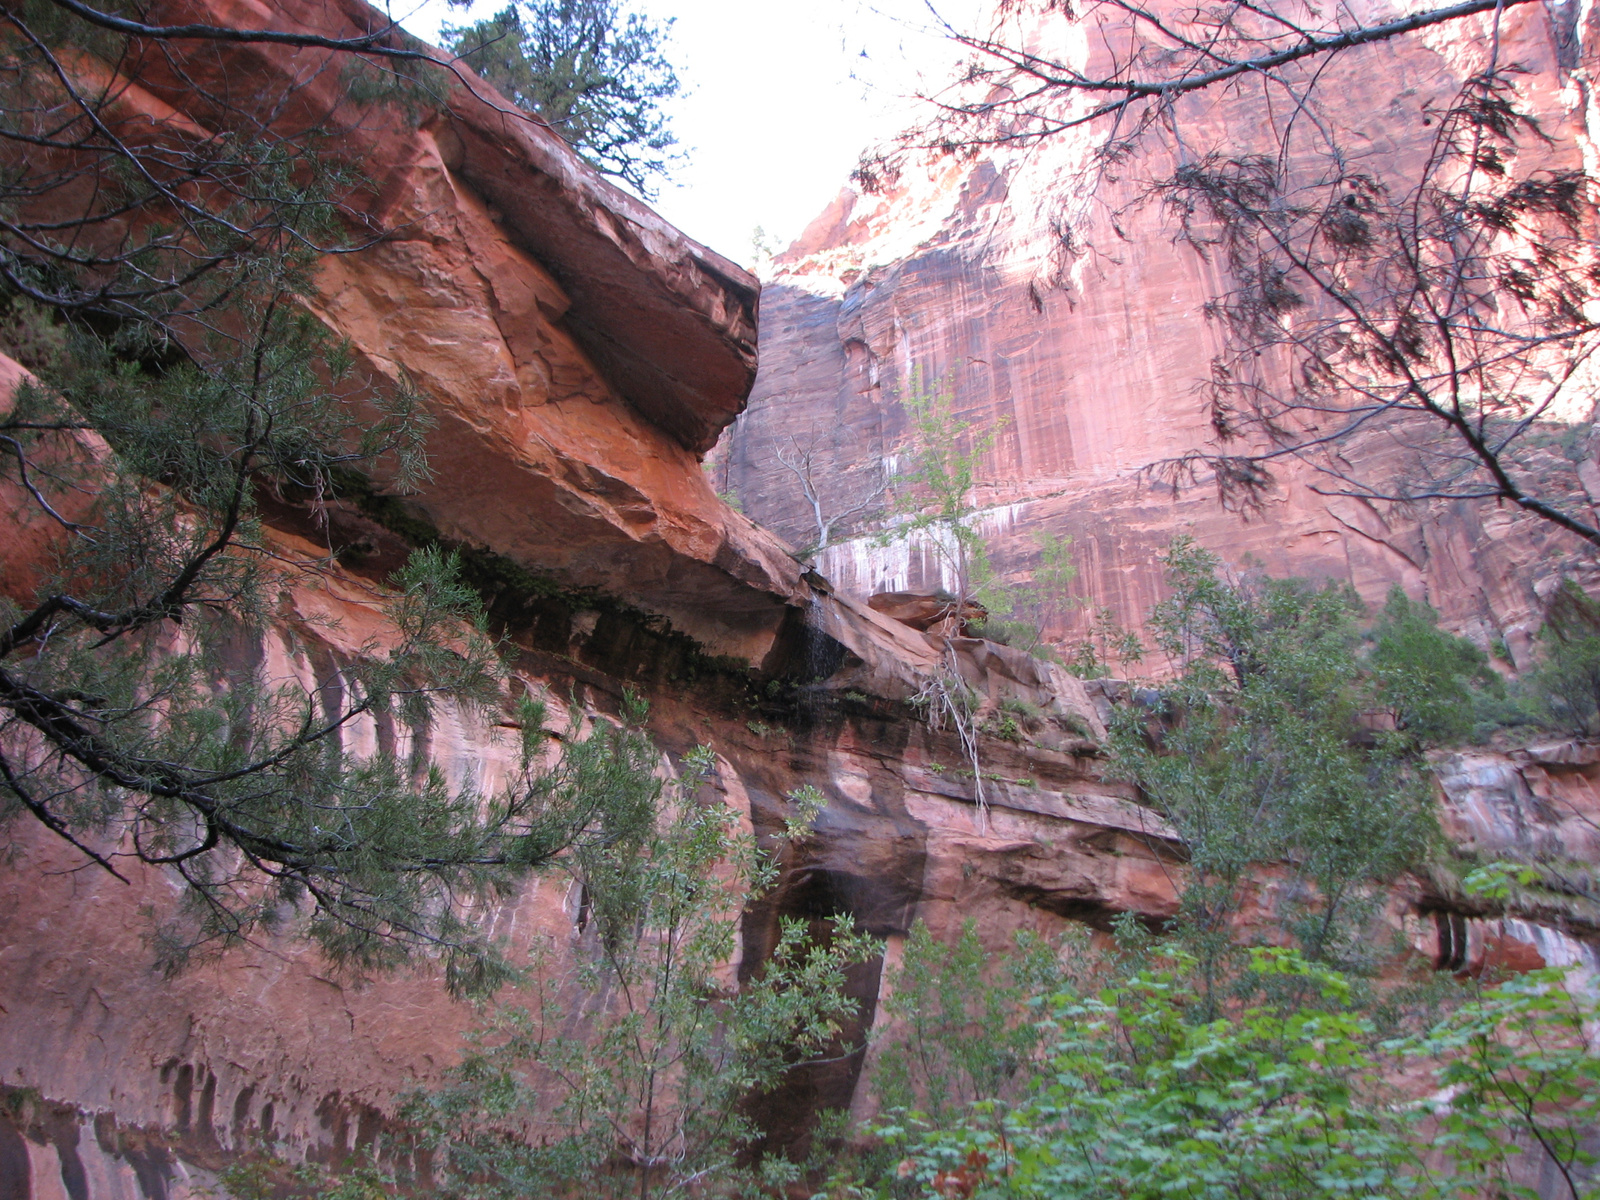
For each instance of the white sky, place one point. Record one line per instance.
(783, 96)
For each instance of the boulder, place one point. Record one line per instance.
(929, 611)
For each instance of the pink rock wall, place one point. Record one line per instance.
(579, 354)
(1088, 362)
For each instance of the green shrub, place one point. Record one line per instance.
(1428, 677)
(1260, 752)
(1566, 683)
(961, 1032)
(1141, 1094)
(1137, 1100)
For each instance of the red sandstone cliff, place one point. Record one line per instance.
(1089, 354)
(578, 354)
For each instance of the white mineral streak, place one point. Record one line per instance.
(921, 560)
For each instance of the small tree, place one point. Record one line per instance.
(960, 1030)
(1566, 680)
(1031, 605)
(654, 1062)
(1519, 1064)
(801, 462)
(1132, 1086)
(1430, 678)
(934, 499)
(936, 510)
(595, 72)
(1108, 642)
(1263, 751)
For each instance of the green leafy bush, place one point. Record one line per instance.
(1521, 1071)
(1566, 682)
(630, 1074)
(1139, 1093)
(1430, 678)
(1262, 750)
(961, 1032)
(1138, 1100)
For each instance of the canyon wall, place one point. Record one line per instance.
(1068, 315)
(579, 355)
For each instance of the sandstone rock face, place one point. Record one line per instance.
(1086, 357)
(927, 612)
(577, 352)
(578, 355)
(148, 1086)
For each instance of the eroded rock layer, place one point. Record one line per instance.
(576, 352)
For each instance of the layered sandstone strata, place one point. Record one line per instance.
(577, 353)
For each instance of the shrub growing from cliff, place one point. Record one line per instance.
(1432, 681)
(1285, 740)
(933, 495)
(1566, 681)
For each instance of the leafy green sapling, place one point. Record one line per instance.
(629, 1073)
(1260, 751)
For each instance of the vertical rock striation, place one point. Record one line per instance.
(1070, 318)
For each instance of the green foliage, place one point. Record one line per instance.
(1566, 683)
(413, 87)
(141, 667)
(1054, 576)
(1137, 1099)
(1430, 678)
(1108, 643)
(1134, 1087)
(1194, 1066)
(806, 804)
(1262, 751)
(593, 70)
(1045, 596)
(1498, 880)
(147, 240)
(1005, 726)
(960, 1030)
(1521, 1072)
(935, 505)
(631, 1076)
